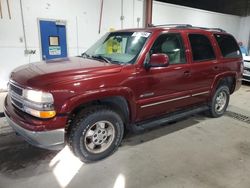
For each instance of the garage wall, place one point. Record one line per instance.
(169, 13)
(82, 20)
(244, 32)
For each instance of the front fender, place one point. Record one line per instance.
(100, 94)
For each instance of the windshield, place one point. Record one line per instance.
(118, 47)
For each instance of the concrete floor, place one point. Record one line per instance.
(195, 152)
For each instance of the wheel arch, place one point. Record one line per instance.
(228, 79)
(118, 103)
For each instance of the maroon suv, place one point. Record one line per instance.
(133, 78)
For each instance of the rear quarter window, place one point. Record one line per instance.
(228, 46)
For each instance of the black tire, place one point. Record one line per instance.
(214, 109)
(89, 119)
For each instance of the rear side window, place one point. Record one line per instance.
(228, 46)
(201, 47)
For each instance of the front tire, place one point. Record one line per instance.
(96, 133)
(220, 101)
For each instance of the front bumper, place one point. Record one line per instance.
(47, 139)
(53, 140)
(246, 78)
(246, 73)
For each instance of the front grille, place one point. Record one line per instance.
(16, 93)
(16, 89)
(17, 103)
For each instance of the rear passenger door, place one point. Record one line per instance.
(204, 65)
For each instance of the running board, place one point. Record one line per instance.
(149, 124)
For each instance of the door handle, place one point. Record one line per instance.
(187, 73)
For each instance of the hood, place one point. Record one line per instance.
(61, 70)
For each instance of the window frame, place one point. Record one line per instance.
(183, 45)
(191, 50)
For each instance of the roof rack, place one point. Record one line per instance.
(188, 26)
(171, 25)
(210, 29)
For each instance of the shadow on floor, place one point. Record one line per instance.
(132, 139)
(23, 160)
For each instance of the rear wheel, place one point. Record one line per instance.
(219, 101)
(96, 133)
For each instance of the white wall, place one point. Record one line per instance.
(169, 13)
(84, 15)
(244, 33)
(81, 14)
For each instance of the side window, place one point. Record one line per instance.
(228, 46)
(172, 45)
(202, 49)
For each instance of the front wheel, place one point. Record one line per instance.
(219, 101)
(97, 132)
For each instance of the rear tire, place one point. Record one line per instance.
(96, 133)
(220, 101)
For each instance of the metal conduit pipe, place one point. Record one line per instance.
(24, 32)
(1, 12)
(122, 14)
(8, 6)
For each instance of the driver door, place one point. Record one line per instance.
(164, 89)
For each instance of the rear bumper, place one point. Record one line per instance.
(52, 139)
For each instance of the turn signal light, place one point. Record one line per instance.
(47, 114)
(40, 114)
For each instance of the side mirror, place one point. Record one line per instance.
(157, 60)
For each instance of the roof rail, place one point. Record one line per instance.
(210, 29)
(187, 26)
(171, 25)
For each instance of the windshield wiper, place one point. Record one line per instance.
(101, 58)
(85, 55)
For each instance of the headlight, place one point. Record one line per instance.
(38, 103)
(38, 96)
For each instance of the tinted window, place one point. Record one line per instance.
(228, 46)
(201, 47)
(172, 45)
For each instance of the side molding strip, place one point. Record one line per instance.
(166, 101)
(202, 93)
(175, 99)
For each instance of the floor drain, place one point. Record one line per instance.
(238, 116)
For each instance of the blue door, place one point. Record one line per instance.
(53, 39)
